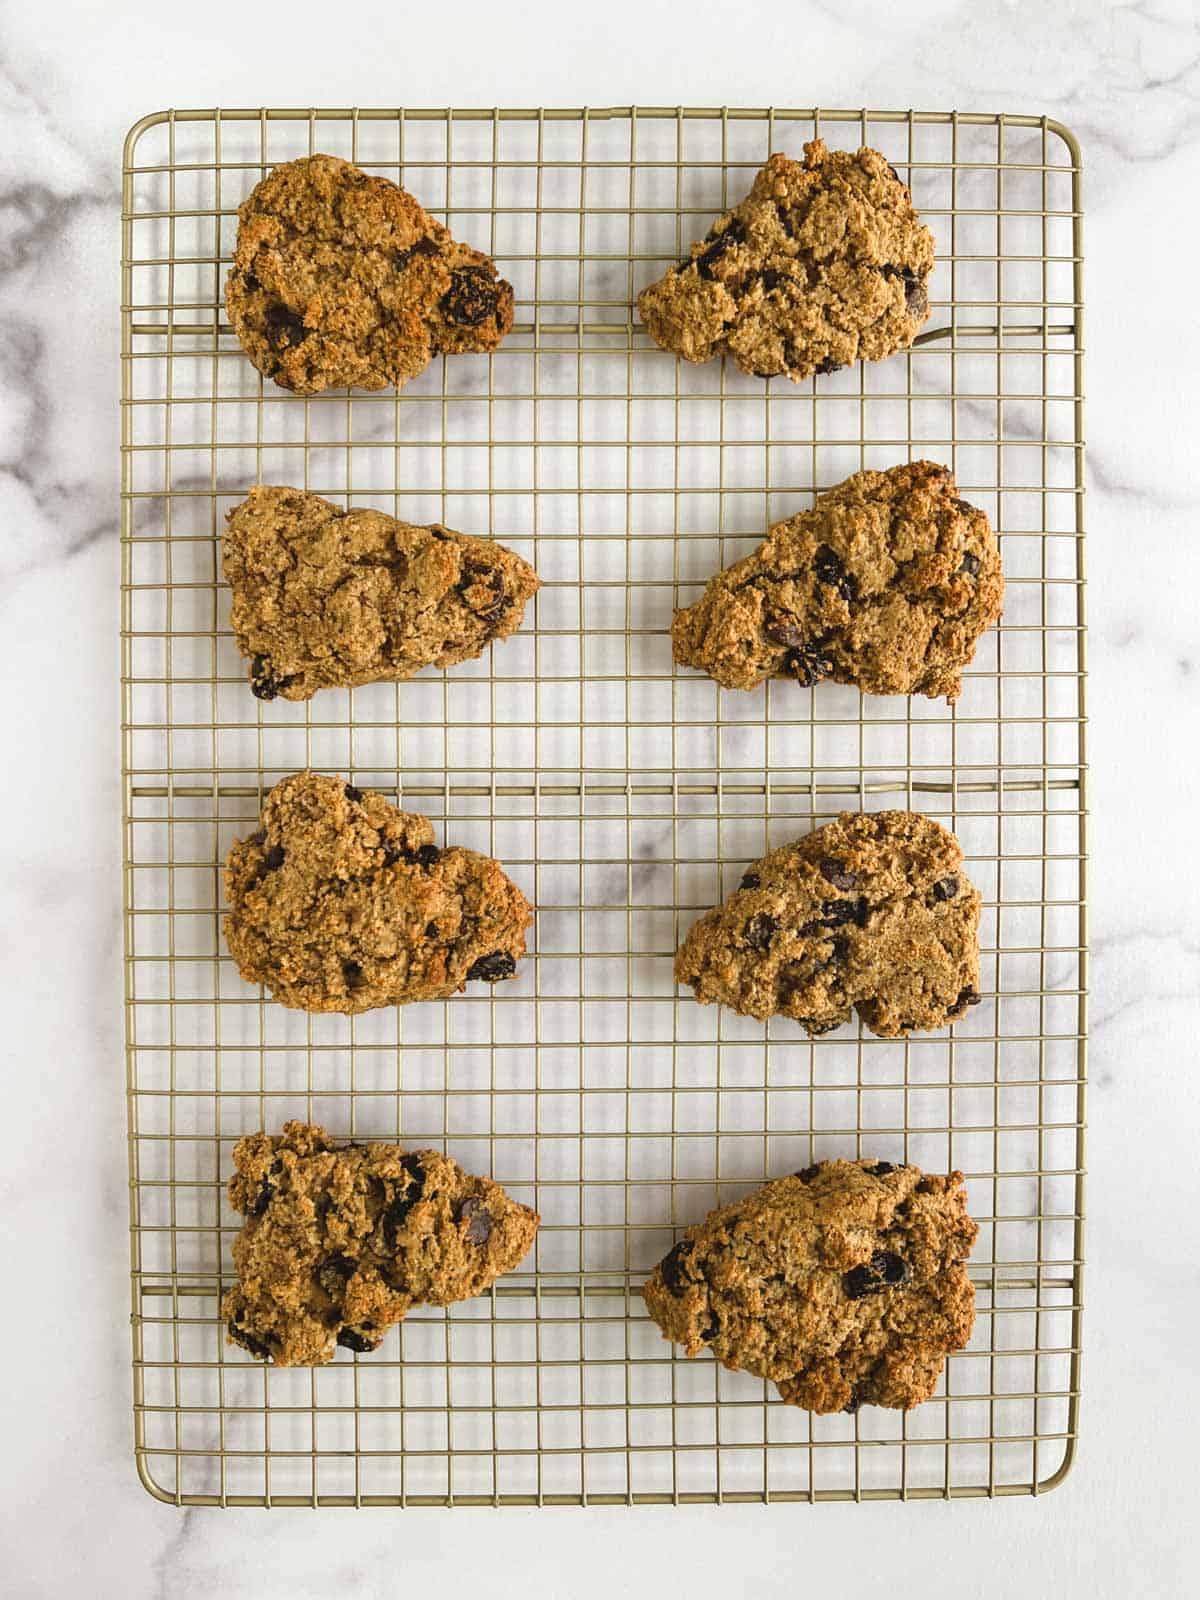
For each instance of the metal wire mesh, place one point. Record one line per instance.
(624, 796)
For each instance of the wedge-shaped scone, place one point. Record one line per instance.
(824, 263)
(340, 1242)
(326, 598)
(873, 911)
(887, 583)
(343, 280)
(843, 1284)
(340, 902)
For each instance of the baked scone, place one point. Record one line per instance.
(872, 911)
(326, 598)
(340, 902)
(843, 1284)
(340, 1242)
(887, 583)
(824, 263)
(343, 280)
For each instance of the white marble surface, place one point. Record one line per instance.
(72, 78)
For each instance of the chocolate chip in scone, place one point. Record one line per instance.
(970, 561)
(760, 930)
(807, 665)
(352, 972)
(672, 1267)
(402, 1204)
(916, 300)
(945, 888)
(471, 298)
(284, 327)
(831, 571)
(783, 629)
(852, 1404)
(916, 296)
(250, 283)
(423, 247)
(353, 793)
(262, 1199)
(735, 233)
(491, 608)
(967, 997)
(807, 1174)
(249, 1342)
(836, 913)
(815, 1028)
(836, 873)
(823, 368)
(361, 1340)
(334, 1274)
(263, 682)
(711, 1329)
(880, 1169)
(490, 969)
(750, 880)
(478, 1219)
(274, 858)
(423, 856)
(885, 1270)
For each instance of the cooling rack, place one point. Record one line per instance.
(624, 796)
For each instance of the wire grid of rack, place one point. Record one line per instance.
(623, 795)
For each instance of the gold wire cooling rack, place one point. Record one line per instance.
(624, 796)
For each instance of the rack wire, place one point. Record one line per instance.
(624, 795)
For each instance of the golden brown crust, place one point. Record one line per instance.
(887, 583)
(872, 911)
(341, 279)
(339, 1243)
(326, 598)
(340, 902)
(843, 1284)
(825, 262)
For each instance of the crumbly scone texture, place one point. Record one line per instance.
(343, 280)
(843, 1284)
(873, 911)
(824, 263)
(340, 1242)
(887, 583)
(340, 902)
(326, 598)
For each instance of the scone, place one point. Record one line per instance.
(843, 1284)
(343, 280)
(887, 583)
(340, 1242)
(824, 263)
(325, 598)
(340, 902)
(873, 911)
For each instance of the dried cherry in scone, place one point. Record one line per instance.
(472, 297)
